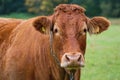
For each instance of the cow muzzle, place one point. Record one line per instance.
(72, 60)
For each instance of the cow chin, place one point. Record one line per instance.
(69, 61)
(68, 65)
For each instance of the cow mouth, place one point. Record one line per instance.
(72, 66)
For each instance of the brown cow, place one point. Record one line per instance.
(49, 47)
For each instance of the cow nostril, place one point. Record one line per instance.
(79, 58)
(67, 57)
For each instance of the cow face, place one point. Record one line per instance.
(69, 40)
(69, 29)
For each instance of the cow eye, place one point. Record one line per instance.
(82, 32)
(55, 30)
(85, 30)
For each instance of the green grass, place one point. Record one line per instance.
(103, 56)
(115, 21)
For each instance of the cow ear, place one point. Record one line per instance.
(42, 24)
(97, 25)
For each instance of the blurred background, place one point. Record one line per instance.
(108, 8)
(103, 50)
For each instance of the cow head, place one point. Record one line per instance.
(69, 30)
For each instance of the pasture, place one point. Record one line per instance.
(102, 53)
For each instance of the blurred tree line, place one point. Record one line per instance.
(108, 8)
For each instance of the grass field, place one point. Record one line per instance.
(102, 54)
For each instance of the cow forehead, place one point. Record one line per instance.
(71, 22)
(70, 19)
(70, 16)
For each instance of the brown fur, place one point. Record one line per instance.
(6, 27)
(27, 56)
